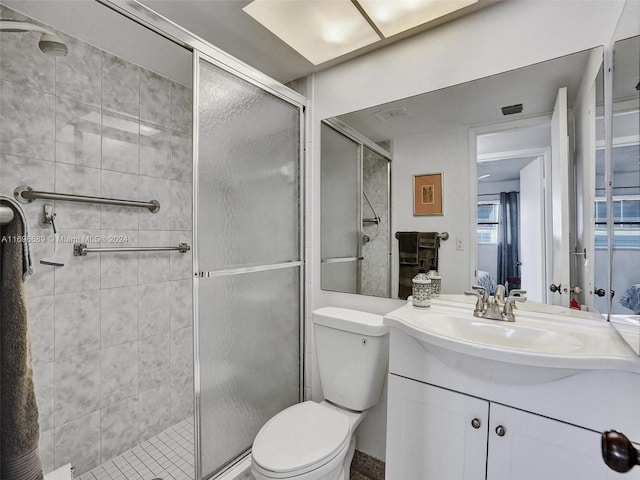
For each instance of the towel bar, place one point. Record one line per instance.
(6, 214)
(444, 236)
(81, 249)
(25, 194)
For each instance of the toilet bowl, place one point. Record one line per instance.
(309, 440)
(316, 441)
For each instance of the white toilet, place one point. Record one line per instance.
(316, 441)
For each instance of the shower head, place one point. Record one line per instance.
(50, 43)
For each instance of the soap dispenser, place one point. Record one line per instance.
(421, 288)
(436, 279)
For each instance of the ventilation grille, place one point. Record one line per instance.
(512, 109)
(391, 114)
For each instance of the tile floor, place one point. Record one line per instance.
(167, 456)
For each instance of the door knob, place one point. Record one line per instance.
(555, 288)
(475, 423)
(601, 292)
(501, 431)
(618, 452)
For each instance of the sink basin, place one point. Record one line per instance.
(536, 348)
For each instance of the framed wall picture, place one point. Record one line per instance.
(427, 194)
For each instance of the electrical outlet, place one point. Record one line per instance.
(459, 244)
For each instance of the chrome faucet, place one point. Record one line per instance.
(496, 307)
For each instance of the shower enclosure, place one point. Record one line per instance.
(355, 199)
(248, 291)
(154, 364)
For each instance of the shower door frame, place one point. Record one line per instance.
(201, 49)
(363, 142)
(299, 264)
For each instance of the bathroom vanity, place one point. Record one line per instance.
(472, 399)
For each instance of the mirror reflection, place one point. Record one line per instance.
(355, 188)
(491, 137)
(624, 210)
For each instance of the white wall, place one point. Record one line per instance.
(502, 37)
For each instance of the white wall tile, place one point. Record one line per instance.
(78, 443)
(77, 386)
(119, 373)
(93, 124)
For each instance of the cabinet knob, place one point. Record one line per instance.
(500, 431)
(618, 452)
(475, 423)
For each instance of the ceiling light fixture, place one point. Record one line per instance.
(321, 30)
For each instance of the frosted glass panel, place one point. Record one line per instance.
(248, 214)
(249, 172)
(249, 358)
(340, 192)
(341, 276)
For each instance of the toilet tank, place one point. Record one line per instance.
(353, 356)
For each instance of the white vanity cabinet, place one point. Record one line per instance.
(430, 435)
(443, 424)
(435, 433)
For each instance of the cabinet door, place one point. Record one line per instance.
(535, 448)
(430, 433)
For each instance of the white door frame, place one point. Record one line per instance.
(474, 133)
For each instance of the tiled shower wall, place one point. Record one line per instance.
(374, 273)
(111, 333)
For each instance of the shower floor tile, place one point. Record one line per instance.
(167, 456)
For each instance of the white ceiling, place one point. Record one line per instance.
(222, 23)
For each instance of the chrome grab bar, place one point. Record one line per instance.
(25, 194)
(81, 249)
(6, 215)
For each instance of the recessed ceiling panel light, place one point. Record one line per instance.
(319, 30)
(395, 16)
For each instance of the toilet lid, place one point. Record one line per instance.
(299, 437)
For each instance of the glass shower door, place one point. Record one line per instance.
(340, 206)
(248, 247)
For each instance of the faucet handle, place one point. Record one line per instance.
(517, 293)
(478, 290)
(510, 304)
(482, 295)
(499, 293)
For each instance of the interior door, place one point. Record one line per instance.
(531, 235)
(559, 253)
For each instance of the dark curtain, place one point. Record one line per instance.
(508, 240)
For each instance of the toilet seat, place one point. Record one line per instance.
(301, 438)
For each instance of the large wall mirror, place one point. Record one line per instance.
(618, 208)
(486, 150)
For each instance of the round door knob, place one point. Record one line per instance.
(475, 423)
(600, 292)
(500, 431)
(555, 288)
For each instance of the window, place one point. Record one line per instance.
(488, 216)
(626, 222)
